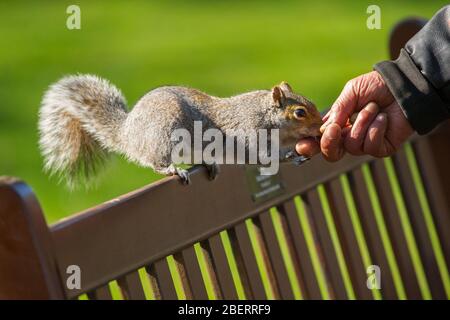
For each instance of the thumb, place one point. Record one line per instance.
(331, 143)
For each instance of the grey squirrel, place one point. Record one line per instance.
(83, 118)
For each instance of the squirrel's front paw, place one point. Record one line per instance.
(300, 160)
(213, 170)
(292, 154)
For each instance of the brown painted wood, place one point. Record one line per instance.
(250, 263)
(125, 221)
(131, 286)
(347, 238)
(402, 32)
(418, 224)
(311, 288)
(395, 230)
(28, 267)
(276, 257)
(314, 207)
(371, 232)
(101, 293)
(164, 278)
(194, 274)
(433, 157)
(222, 268)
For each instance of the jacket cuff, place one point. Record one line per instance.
(421, 104)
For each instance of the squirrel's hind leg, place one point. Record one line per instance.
(173, 170)
(213, 170)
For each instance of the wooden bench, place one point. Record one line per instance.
(311, 232)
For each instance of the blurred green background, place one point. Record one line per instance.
(220, 47)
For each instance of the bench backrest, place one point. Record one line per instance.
(314, 232)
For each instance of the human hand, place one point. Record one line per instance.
(379, 129)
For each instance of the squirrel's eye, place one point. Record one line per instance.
(300, 113)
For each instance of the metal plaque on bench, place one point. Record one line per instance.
(263, 187)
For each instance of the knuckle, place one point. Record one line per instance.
(353, 146)
(349, 85)
(330, 158)
(363, 116)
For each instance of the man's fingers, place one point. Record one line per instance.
(331, 143)
(307, 147)
(354, 141)
(344, 106)
(374, 143)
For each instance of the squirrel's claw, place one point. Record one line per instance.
(296, 158)
(300, 160)
(213, 170)
(184, 175)
(292, 154)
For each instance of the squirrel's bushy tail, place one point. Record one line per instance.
(79, 123)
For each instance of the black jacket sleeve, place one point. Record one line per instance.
(420, 78)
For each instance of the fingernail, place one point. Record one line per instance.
(372, 107)
(324, 126)
(333, 132)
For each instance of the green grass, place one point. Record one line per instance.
(220, 47)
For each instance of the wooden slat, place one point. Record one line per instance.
(165, 282)
(276, 257)
(314, 208)
(101, 293)
(262, 245)
(131, 286)
(395, 229)
(211, 269)
(419, 225)
(240, 264)
(433, 158)
(347, 237)
(181, 270)
(194, 274)
(371, 232)
(250, 263)
(312, 290)
(222, 267)
(153, 281)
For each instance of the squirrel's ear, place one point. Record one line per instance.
(285, 86)
(278, 96)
